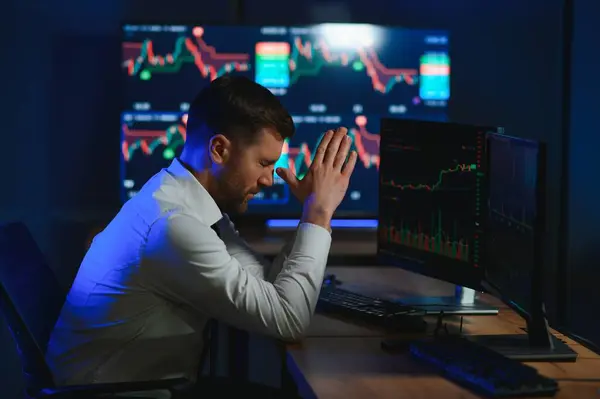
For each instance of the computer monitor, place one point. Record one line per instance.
(432, 207)
(514, 261)
(326, 75)
(515, 217)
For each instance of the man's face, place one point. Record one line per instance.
(247, 169)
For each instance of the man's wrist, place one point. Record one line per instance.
(317, 215)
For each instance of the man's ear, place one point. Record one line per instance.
(219, 149)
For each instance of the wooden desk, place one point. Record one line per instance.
(341, 360)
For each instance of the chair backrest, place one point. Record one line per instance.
(30, 299)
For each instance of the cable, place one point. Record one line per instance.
(580, 340)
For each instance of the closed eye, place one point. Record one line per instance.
(267, 163)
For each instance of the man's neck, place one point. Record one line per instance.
(195, 162)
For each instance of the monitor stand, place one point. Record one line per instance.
(537, 345)
(464, 302)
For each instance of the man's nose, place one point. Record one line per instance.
(266, 180)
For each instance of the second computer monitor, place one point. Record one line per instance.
(516, 217)
(515, 266)
(432, 199)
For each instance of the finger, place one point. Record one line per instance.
(342, 153)
(288, 177)
(318, 159)
(334, 145)
(349, 166)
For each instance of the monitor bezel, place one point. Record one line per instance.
(436, 267)
(259, 216)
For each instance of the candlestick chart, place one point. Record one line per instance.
(142, 61)
(376, 77)
(440, 239)
(149, 142)
(322, 82)
(432, 190)
(299, 153)
(167, 68)
(308, 59)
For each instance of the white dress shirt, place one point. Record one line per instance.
(158, 272)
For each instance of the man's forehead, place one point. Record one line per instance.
(269, 140)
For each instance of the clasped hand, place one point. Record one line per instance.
(326, 182)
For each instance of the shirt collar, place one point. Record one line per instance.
(195, 195)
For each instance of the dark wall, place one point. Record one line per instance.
(584, 165)
(60, 123)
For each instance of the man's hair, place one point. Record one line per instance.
(237, 108)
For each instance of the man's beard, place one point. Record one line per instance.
(231, 198)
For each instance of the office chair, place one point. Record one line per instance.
(31, 300)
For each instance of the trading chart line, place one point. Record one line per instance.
(298, 158)
(148, 140)
(141, 57)
(319, 55)
(435, 186)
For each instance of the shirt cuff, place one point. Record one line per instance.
(312, 240)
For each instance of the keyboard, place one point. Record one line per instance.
(369, 310)
(482, 369)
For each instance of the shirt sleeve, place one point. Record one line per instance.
(248, 258)
(186, 262)
(238, 248)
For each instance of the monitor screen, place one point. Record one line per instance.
(514, 217)
(326, 75)
(432, 201)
